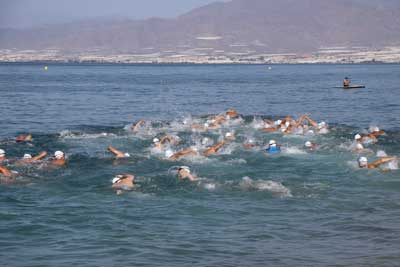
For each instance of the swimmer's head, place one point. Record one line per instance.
(127, 155)
(59, 155)
(278, 122)
(308, 144)
(310, 132)
(206, 125)
(357, 137)
(169, 153)
(27, 156)
(117, 179)
(156, 140)
(184, 168)
(204, 141)
(375, 129)
(321, 125)
(359, 146)
(363, 162)
(229, 135)
(250, 141)
(272, 143)
(287, 124)
(2, 153)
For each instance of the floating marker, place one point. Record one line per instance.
(46, 68)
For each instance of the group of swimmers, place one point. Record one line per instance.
(304, 125)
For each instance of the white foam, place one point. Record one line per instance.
(381, 154)
(293, 151)
(268, 185)
(393, 165)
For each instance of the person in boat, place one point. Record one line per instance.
(29, 159)
(363, 162)
(185, 173)
(118, 154)
(346, 82)
(123, 182)
(273, 148)
(59, 159)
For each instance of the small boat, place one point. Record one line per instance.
(351, 87)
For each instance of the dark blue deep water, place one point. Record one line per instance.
(299, 208)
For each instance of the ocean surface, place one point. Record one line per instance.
(298, 208)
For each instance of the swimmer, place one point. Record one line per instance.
(59, 158)
(250, 144)
(159, 143)
(366, 138)
(363, 162)
(376, 132)
(185, 173)
(181, 153)
(123, 182)
(230, 136)
(231, 114)
(135, 128)
(311, 146)
(6, 172)
(118, 154)
(273, 148)
(23, 138)
(359, 148)
(214, 149)
(2, 155)
(8, 176)
(215, 123)
(29, 159)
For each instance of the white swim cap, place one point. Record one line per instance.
(287, 124)
(156, 140)
(308, 144)
(278, 122)
(357, 136)
(272, 142)
(2, 152)
(186, 168)
(27, 156)
(310, 132)
(251, 141)
(59, 154)
(375, 129)
(228, 135)
(169, 153)
(204, 141)
(321, 125)
(127, 155)
(363, 160)
(116, 180)
(206, 125)
(359, 146)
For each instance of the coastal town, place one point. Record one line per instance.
(208, 55)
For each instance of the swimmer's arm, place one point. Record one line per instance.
(137, 125)
(183, 153)
(269, 129)
(313, 123)
(165, 139)
(269, 122)
(40, 156)
(5, 171)
(116, 152)
(380, 162)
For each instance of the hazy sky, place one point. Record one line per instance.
(25, 13)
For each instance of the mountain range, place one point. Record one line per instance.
(237, 26)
